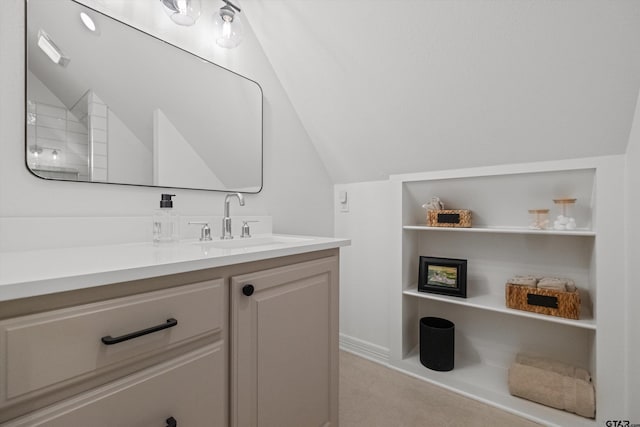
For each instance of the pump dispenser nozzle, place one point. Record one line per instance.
(165, 200)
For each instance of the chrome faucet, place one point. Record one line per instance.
(226, 221)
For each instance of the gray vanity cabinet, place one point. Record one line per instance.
(284, 354)
(249, 344)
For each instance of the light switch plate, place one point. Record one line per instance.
(343, 201)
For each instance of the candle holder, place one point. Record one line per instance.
(539, 219)
(564, 221)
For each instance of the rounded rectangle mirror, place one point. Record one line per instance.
(117, 105)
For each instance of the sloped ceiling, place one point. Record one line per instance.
(398, 86)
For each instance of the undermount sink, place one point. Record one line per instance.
(249, 242)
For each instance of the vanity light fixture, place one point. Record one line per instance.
(49, 47)
(227, 26)
(88, 22)
(182, 12)
(35, 150)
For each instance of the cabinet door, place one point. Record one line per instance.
(190, 389)
(285, 346)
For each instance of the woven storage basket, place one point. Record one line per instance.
(543, 301)
(449, 218)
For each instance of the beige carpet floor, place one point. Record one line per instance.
(372, 395)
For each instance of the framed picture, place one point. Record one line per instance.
(446, 276)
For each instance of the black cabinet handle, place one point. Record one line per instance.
(248, 290)
(171, 422)
(108, 340)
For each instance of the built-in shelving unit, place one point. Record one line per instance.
(499, 245)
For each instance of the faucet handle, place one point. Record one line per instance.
(205, 231)
(246, 232)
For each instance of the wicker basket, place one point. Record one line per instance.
(543, 301)
(449, 218)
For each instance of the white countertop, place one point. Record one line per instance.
(39, 272)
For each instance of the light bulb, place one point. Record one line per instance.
(54, 154)
(227, 28)
(182, 12)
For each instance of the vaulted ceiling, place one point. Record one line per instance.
(399, 86)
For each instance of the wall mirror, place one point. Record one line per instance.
(113, 104)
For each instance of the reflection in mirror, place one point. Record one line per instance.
(114, 104)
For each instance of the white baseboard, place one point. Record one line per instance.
(373, 352)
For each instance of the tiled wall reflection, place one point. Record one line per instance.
(57, 142)
(98, 113)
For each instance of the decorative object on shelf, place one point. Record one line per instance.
(564, 221)
(539, 219)
(553, 383)
(446, 276)
(435, 204)
(449, 218)
(437, 343)
(438, 216)
(543, 295)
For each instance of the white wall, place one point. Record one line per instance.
(632, 256)
(175, 160)
(366, 280)
(297, 190)
(39, 92)
(129, 159)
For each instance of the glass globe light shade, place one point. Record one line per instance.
(227, 28)
(182, 12)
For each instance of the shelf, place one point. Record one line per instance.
(496, 304)
(505, 230)
(488, 384)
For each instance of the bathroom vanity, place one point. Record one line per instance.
(240, 333)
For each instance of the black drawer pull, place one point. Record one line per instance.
(248, 290)
(108, 340)
(171, 422)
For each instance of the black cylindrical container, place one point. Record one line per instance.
(437, 343)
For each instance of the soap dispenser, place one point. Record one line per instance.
(166, 221)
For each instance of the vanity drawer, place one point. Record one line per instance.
(190, 389)
(46, 351)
